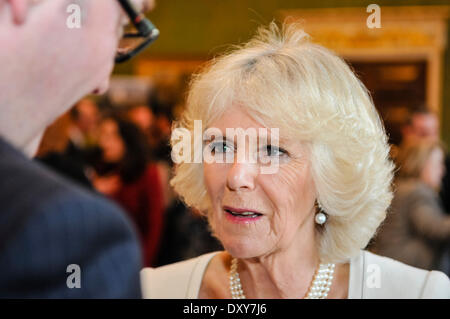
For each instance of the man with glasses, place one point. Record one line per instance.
(56, 239)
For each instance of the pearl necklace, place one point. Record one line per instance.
(320, 285)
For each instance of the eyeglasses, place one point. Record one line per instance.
(134, 42)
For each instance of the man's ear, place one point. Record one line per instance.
(19, 10)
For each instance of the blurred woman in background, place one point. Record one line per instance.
(144, 119)
(417, 229)
(126, 175)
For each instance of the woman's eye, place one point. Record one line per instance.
(220, 147)
(270, 150)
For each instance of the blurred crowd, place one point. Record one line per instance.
(124, 154)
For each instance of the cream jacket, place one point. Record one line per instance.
(371, 277)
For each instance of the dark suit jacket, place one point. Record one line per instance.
(48, 223)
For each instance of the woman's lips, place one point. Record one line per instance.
(239, 215)
(240, 210)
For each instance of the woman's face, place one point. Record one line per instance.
(283, 200)
(434, 169)
(111, 142)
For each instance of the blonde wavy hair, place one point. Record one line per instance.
(283, 80)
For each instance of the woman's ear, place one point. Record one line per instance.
(19, 10)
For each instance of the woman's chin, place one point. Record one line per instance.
(243, 250)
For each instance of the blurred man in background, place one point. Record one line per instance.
(422, 123)
(51, 229)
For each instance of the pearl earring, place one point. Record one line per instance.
(320, 218)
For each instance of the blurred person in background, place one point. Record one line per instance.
(143, 117)
(126, 175)
(423, 123)
(81, 150)
(83, 129)
(417, 229)
(46, 222)
(161, 137)
(163, 99)
(156, 127)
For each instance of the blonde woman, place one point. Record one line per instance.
(417, 228)
(299, 230)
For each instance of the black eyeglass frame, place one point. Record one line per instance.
(145, 29)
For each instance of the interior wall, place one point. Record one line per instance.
(203, 28)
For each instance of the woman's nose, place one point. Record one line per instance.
(241, 176)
